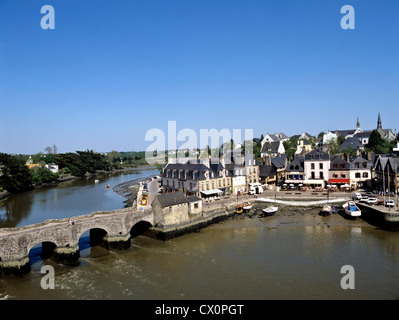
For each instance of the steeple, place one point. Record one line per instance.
(379, 123)
(357, 123)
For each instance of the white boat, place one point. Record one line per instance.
(269, 210)
(247, 206)
(352, 209)
(326, 210)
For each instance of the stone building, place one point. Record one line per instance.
(197, 179)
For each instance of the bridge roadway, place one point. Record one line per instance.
(60, 240)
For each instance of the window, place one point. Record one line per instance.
(335, 165)
(365, 175)
(357, 165)
(312, 175)
(357, 175)
(320, 166)
(312, 166)
(343, 175)
(321, 175)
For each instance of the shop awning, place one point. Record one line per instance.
(210, 192)
(339, 181)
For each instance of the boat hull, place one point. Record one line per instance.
(269, 211)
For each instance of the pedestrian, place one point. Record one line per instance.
(73, 221)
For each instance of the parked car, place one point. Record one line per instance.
(357, 196)
(372, 201)
(364, 199)
(389, 203)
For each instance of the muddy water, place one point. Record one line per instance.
(295, 254)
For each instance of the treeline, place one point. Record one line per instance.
(127, 159)
(82, 162)
(15, 176)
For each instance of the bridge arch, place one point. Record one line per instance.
(41, 250)
(92, 237)
(139, 228)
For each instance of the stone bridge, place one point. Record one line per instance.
(60, 240)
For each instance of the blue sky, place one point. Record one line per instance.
(110, 71)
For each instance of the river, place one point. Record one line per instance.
(68, 199)
(295, 254)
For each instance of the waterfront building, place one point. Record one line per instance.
(267, 174)
(387, 176)
(280, 164)
(339, 172)
(316, 168)
(294, 172)
(170, 208)
(196, 178)
(360, 173)
(244, 170)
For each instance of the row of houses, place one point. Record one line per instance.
(316, 170)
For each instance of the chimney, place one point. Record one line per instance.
(267, 160)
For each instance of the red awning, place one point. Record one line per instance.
(339, 180)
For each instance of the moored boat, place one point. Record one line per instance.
(269, 211)
(239, 208)
(326, 210)
(247, 206)
(352, 209)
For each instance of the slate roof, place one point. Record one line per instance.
(296, 164)
(267, 170)
(353, 143)
(270, 147)
(193, 199)
(317, 154)
(171, 199)
(279, 162)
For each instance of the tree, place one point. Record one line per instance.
(376, 142)
(15, 175)
(42, 175)
(290, 147)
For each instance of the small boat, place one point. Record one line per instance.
(352, 209)
(107, 186)
(269, 211)
(239, 208)
(326, 210)
(96, 181)
(247, 206)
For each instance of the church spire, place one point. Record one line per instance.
(357, 123)
(379, 123)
